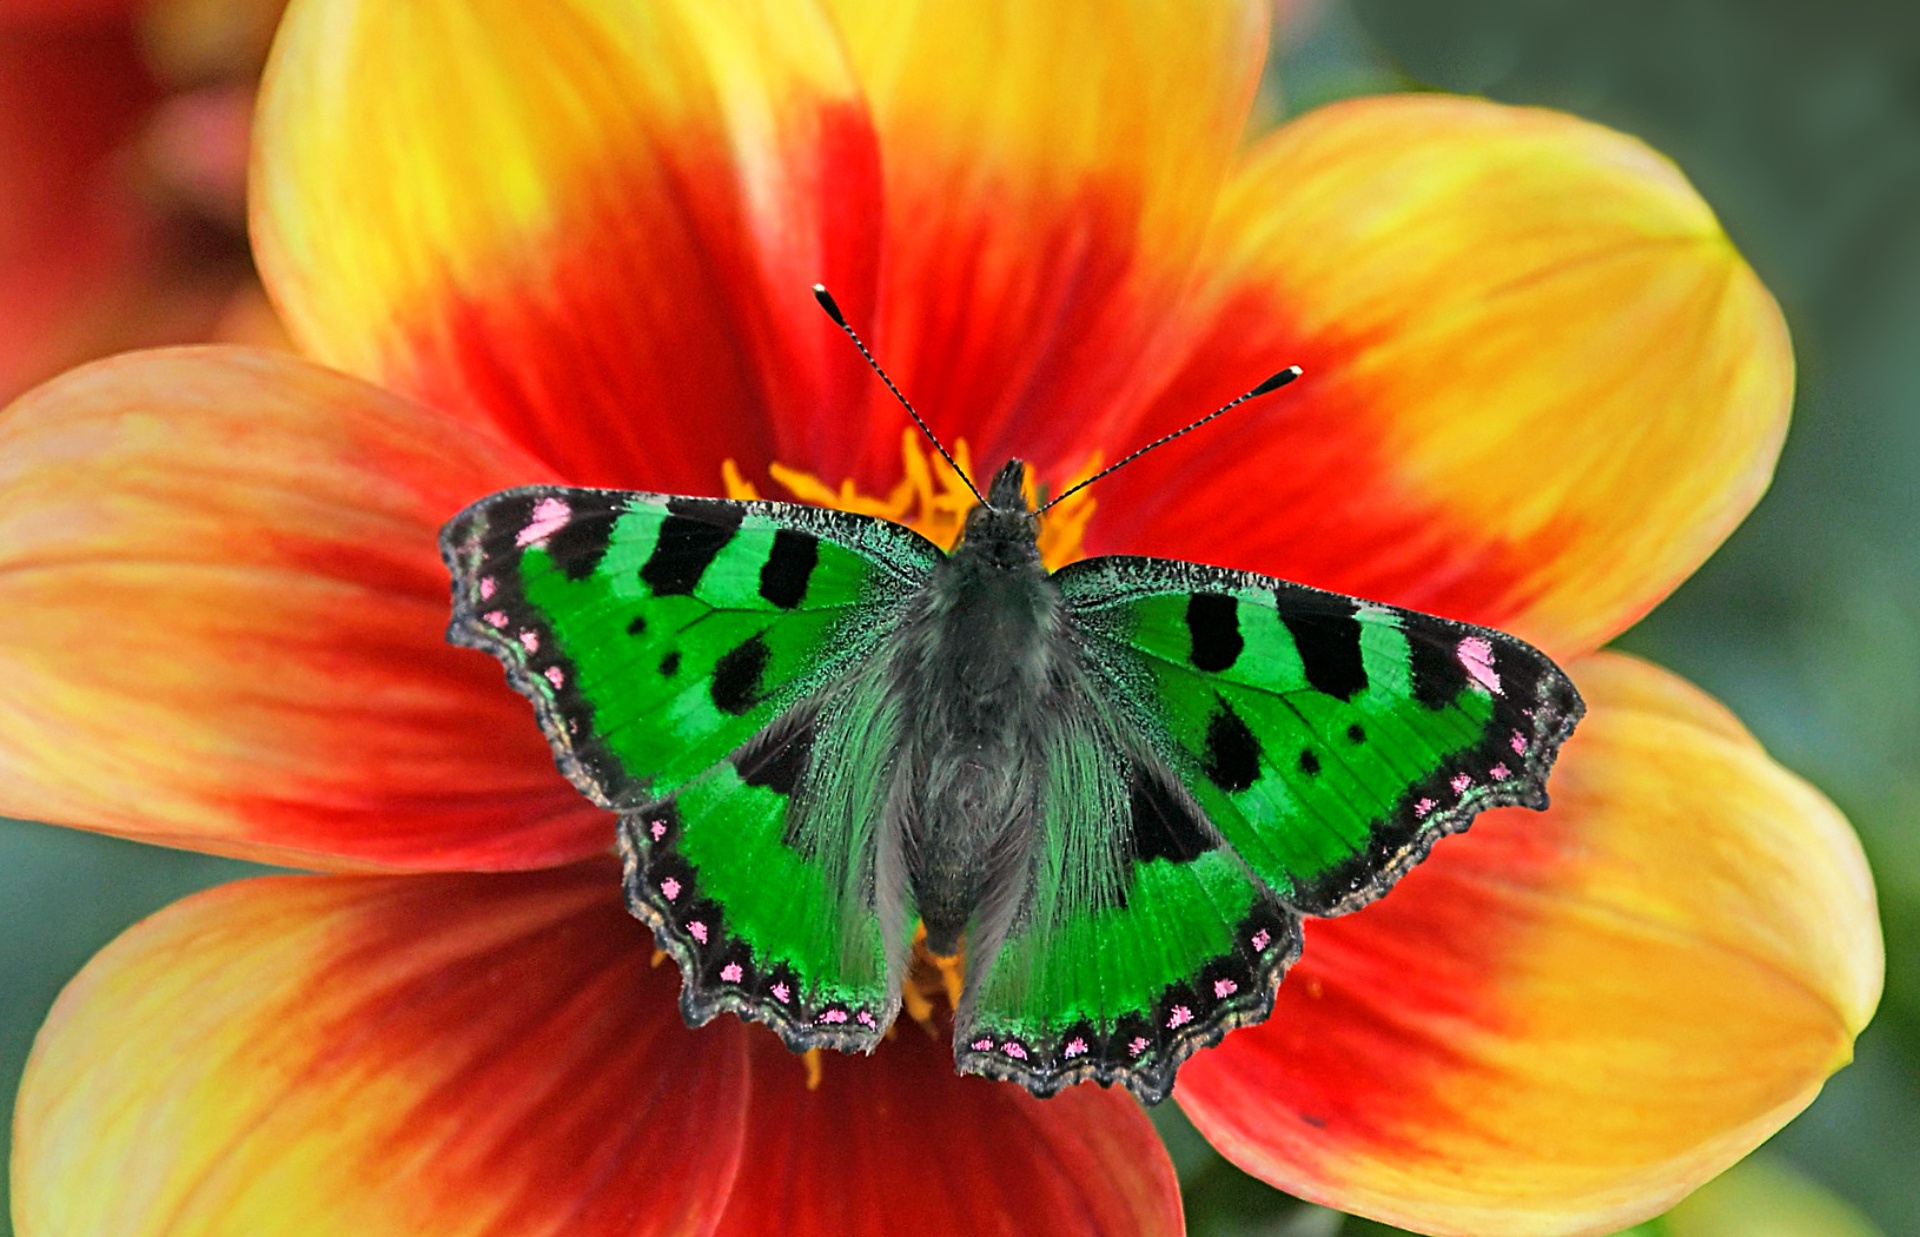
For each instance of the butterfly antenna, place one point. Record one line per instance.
(1274, 383)
(825, 298)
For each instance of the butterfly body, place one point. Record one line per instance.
(1116, 788)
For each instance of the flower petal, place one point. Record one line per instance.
(898, 1142)
(590, 223)
(1050, 170)
(226, 616)
(458, 1055)
(1541, 386)
(1562, 1024)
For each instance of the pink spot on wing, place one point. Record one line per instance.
(1421, 808)
(1180, 1017)
(864, 1018)
(555, 676)
(981, 1045)
(1224, 988)
(496, 618)
(549, 516)
(1137, 1046)
(671, 888)
(1014, 1050)
(1262, 939)
(833, 1016)
(486, 588)
(530, 641)
(1460, 783)
(1499, 773)
(781, 992)
(658, 829)
(731, 973)
(698, 931)
(1476, 657)
(1076, 1047)
(1518, 743)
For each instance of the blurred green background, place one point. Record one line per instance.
(1800, 123)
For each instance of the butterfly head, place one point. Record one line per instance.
(1005, 529)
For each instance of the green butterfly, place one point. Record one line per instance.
(1121, 784)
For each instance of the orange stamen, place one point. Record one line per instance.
(930, 499)
(811, 1059)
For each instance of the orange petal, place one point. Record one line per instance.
(466, 1056)
(590, 223)
(1541, 386)
(1050, 170)
(226, 616)
(1564, 1023)
(899, 1143)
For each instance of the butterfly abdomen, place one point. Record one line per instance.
(978, 663)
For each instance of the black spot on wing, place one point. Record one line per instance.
(670, 664)
(578, 545)
(1232, 760)
(1161, 826)
(735, 685)
(637, 625)
(1438, 675)
(1309, 764)
(1326, 631)
(1213, 625)
(1356, 734)
(776, 757)
(691, 537)
(789, 565)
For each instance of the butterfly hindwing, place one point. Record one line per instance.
(1144, 939)
(684, 657)
(1330, 741)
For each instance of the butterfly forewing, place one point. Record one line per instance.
(677, 652)
(1329, 740)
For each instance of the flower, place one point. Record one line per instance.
(573, 242)
(122, 146)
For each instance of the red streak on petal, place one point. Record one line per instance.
(573, 1088)
(897, 1142)
(667, 334)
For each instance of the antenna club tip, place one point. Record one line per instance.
(827, 303)
(1279, 380)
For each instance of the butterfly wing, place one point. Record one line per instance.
(1331, 741)
(686, 658)
(1265, 751)
(1142, 937)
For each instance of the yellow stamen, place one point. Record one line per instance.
(931, 499)
(659, 956)
(811, 1059)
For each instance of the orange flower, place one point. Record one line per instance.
(573, 242)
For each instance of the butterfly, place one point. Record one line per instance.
(1119, 786)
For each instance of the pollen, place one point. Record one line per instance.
(931, 500)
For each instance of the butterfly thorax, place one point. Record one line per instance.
(982, 656)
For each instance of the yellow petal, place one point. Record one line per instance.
(1562, 1023)
(1541, 386)
(466, 1056)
